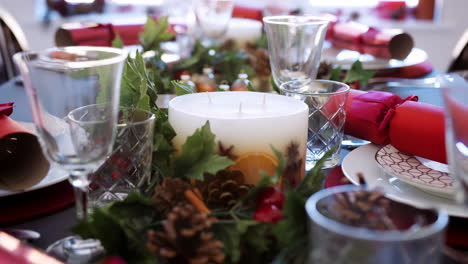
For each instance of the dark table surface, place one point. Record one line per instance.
(57, 225)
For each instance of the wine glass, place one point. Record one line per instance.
(73, 95)
(295, 45)
(213, 18)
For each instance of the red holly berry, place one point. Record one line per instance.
(271, 195)
(115, 175)
(355, 85)
(114, 260)
(268, 214)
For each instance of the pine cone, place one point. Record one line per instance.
(294, 167)
(361, 209)
(185, 238)
(324, 70)
(169, 193)
(260, 61)
(224, 189)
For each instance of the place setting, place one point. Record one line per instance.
(198, 137)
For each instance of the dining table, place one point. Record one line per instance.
(56, 222)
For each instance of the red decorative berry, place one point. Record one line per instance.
(355, 85)
(271, 196)
(115, 175)
(268, 214)
(114, 260)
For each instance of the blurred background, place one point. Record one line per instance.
(435, 25)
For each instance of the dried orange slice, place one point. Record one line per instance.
(251, 163)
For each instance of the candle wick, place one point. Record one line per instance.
(240, 107)
(209, 98)
(264, 99)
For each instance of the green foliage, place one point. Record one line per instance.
(135, 84)
(120, 227)
(182, 88)
(313, 180)
(154, 33)
(335, 74)
(198, 156)
(357, 73)
(117, 42)
(228, 63)
(261, 42)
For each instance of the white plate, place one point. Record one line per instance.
(410, 170)
(54, 176)
(345, 58)
(361, 160)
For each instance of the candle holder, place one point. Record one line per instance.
(356, 225)
(128, 168)
(326, 101)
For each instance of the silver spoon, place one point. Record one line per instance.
(22, 234)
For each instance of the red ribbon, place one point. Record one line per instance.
(6, 109)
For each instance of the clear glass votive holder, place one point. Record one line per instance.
(295, 45)
(128, 168)
(455, 92)
(350, 224)
(327, 115)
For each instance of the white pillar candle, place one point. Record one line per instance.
(251, 122)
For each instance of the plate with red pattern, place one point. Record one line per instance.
(411, 170)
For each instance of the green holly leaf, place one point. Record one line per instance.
(357, 73)
(198, 156)
(335, 74)
(114, 232)
(117, 42)
(182, 88)
(294, 224)
(241, 233)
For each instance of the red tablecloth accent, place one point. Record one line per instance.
(457, 233)
(35, 203)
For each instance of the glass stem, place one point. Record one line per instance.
(79, 181)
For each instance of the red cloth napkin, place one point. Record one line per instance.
(456, 232)
(412, 127)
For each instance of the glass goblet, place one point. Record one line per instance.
(213, 18)
(294, 44)
(73, 95)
